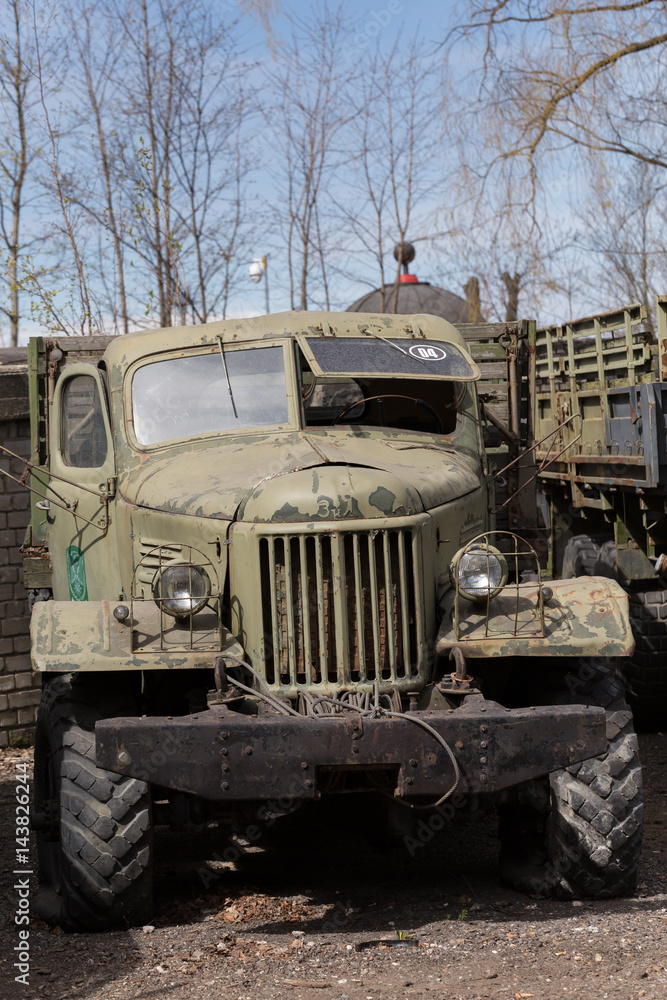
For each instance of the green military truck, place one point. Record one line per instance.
(268, 564)
(603, 496)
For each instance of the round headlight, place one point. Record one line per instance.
(481, 572)
(182, 591)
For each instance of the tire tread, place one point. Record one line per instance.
(105, 819)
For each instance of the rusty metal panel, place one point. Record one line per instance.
(84, 635)
(601, 369)
(585, 617)
(505, 353)
(223, 755)
(620, 444)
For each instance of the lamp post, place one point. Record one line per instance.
(260, 269)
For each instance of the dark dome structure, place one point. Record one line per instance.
(415, 296)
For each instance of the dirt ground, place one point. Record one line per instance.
(312, 911)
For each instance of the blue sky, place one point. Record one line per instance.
(451, 232)
(564, 189)
(379, 21)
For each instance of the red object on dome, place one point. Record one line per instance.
(408, 279)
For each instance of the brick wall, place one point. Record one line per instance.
(19, 687)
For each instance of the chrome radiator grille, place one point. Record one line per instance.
(341, 609)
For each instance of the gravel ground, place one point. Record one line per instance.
(312, 911)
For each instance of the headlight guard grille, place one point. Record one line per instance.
(151, 627)
(517, 611)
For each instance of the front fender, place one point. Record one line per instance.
(85, 635)
(585, 617)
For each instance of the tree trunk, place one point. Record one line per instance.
(471, 289)
(512, 283)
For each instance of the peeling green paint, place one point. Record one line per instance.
(585, 617)
(383, 499)
(287, 513)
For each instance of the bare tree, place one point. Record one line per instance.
(17, 154)
(622, 234)
(521, 268)
(160, 124)
(396, 155)
(209, 170)
(512, 283)
(264, 12)
(98, 54)
(581, 73)
(573, 90)
(305, 120)
(473, 298)
(86, 319)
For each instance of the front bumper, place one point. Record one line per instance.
(225, 756)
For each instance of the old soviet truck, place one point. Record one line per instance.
(266, 568)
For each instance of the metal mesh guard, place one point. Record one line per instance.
(518, 610)
(151, 627)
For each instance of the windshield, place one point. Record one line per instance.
(405, 404)
(379, 355)
(188, 396)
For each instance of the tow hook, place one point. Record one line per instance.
(460, 677)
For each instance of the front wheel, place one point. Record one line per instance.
(94, 833)
(578, 833)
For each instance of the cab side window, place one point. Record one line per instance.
(83, 436)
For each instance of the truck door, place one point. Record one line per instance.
(81, 539)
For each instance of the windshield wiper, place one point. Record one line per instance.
(229, 384)
(377, 336)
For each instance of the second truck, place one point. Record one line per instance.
(602, 495)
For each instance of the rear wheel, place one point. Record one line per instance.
(94, 836)
(645, 672)
(578, 833)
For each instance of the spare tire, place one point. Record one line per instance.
(606, 563)
(580, 556)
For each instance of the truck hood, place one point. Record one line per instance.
(298, 477)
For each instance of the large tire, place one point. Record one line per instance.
(94, 833)
(606, 563)
(585, 841)
(580, 556)
(36, 596)
(645, 672)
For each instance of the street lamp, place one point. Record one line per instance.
(260, 269)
